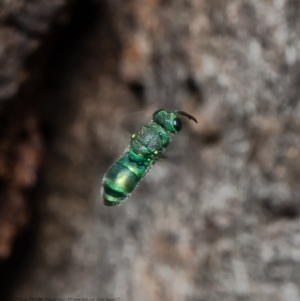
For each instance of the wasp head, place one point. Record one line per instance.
(170, 119)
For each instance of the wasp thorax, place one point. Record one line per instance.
(168, 120)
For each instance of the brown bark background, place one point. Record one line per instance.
(219, 218)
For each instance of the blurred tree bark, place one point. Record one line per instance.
(219, 220)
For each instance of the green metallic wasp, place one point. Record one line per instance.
(146, 146)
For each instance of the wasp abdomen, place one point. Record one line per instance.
(121, 179)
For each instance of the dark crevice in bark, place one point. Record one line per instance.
(49, 68)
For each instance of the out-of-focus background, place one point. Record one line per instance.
(219, 218)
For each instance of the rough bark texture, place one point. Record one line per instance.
(219, 219)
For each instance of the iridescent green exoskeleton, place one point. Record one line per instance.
(146, 146)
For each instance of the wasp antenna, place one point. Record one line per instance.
(187, 115)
